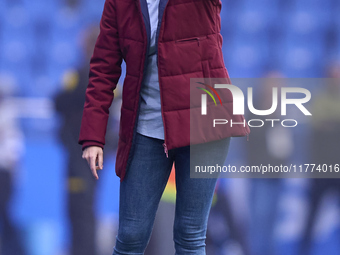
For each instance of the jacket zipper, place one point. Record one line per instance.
(139, 96)
(165, 150)
(164, 144)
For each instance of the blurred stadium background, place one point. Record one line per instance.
(41, 43)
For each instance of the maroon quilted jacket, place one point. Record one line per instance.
(189, 46)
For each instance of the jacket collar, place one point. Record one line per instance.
(146, 17)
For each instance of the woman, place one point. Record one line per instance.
(164, 43)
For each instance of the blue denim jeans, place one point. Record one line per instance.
(144, 183)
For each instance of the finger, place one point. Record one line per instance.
(88, 159)
(92, 164)
(100, 161)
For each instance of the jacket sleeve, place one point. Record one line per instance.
(216, 2)
(105, 70)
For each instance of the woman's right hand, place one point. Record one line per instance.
(94, 157)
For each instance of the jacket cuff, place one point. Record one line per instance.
(86, 144)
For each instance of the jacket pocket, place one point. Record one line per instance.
(192, 39)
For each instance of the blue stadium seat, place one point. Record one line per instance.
(3, 10)
(42, 8)
(65, 53)
(334, 54)
(314, 10)
(298, 59)
(252, 23)
(92, 8)
(43, 86)
(16, 19)
(245, 59)
(17, 48)
(321, 5)
(66, 22)
(303, 28)
(231, 5)
(21, 74)
(269, 6)
(335, 9)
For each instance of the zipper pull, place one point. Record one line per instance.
(247, 137)
(165, 150)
